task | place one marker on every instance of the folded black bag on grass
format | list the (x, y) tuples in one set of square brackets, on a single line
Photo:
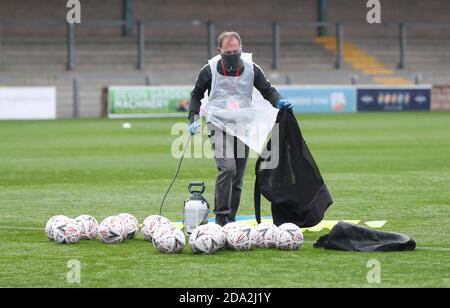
[(294, 186), (351, 237)]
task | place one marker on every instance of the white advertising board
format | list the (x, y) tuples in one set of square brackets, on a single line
[(26, 103)]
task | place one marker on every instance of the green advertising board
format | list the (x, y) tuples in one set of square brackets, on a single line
[(148, 101)]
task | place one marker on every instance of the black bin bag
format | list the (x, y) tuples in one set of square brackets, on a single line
[(294, 185), (351, 237)]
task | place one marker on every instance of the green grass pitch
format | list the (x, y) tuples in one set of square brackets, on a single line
[(378, 166)]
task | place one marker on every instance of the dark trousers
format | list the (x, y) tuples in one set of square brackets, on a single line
[(231, 156)]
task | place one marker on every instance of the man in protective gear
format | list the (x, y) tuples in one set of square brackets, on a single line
[(232, 116)]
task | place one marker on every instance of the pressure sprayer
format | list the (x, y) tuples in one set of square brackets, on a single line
[(196, 208)]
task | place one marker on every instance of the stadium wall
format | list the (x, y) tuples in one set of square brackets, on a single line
[(229, 10), (24, 11), (418, 11)]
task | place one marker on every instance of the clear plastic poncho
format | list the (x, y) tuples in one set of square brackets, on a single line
[(237, 108)]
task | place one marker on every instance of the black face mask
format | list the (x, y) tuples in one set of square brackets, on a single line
[(231, 62)]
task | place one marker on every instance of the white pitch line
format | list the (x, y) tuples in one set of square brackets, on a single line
[(21, 228), (434, 248)]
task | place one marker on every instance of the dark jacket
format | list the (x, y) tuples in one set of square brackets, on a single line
[(294, 186), (203, 84)]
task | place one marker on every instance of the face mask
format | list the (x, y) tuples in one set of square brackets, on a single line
[(231, 62)]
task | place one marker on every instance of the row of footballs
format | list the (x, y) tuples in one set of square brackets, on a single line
[(167, 238), (113, 229), (210, 238)]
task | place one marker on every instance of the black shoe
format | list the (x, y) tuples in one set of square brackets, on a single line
[(221, 220), (231, 218)]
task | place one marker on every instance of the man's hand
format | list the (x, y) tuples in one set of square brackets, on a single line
[(284, 103), (194, 127)]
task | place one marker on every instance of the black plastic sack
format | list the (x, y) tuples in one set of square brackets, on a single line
[(294, 187), (351, 237)]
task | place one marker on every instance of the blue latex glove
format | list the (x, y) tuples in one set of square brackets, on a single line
[(284, 103), (194, 127)]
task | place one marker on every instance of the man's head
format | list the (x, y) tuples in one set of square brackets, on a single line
[(229, 46)]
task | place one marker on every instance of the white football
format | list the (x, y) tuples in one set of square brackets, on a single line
[(131, 224), (169, 239), (151, 224), (240, 238), (59, 221), (289, 237), (112, 230), (88, 227), (230, 226), (49, 226), (218, 234), (266, 235), (206, 239), (66, 231)]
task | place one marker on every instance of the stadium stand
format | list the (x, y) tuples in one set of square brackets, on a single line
[(33, 44)]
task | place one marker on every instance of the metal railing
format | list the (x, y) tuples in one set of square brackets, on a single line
[(211, 30), (211, 34)]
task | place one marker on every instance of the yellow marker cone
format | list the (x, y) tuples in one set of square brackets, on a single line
[(376, 224)]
